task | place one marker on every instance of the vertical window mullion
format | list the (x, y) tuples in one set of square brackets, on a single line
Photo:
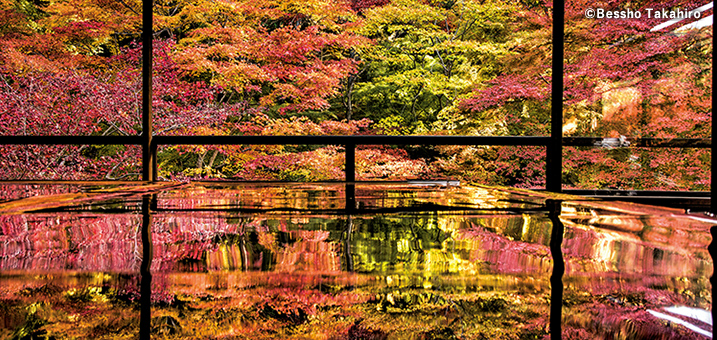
[(554, 157), (149, 153)]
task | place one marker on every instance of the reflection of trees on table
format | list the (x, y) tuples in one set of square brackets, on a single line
[(223, 273)]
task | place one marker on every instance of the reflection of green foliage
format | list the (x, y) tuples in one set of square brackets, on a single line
[(404, 302), (89, 294), (407, 293), (55, 312), (31, 329), (527, 229), (384, 243), (363, 311), (433, 315)]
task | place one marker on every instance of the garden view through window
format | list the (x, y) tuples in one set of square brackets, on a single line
[(355, 169), (468, 68)]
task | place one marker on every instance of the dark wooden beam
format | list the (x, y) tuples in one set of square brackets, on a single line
[(149, 154), (554, 155)]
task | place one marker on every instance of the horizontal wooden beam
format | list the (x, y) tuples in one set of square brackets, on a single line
[(356, 140), (361, 140)]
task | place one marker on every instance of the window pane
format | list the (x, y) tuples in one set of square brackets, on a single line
[(632, 71), (516, 166), (643, 75), (70, 162), (295, 163), (636, 168)]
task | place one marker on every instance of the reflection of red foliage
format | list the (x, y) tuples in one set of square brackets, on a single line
[(188, 238), (86, 243), (610, 321), (503, 255), (620, 238), (311, 253), (10, 192)]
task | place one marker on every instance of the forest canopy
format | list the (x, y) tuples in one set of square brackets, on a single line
[(334, 67)]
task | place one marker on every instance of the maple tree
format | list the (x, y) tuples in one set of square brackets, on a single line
[(621, 79), (76, 103), (357, 67), (289, 55), (368, 67)]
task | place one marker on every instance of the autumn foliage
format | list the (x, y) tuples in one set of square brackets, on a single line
[(287, 266), (397, 67)]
